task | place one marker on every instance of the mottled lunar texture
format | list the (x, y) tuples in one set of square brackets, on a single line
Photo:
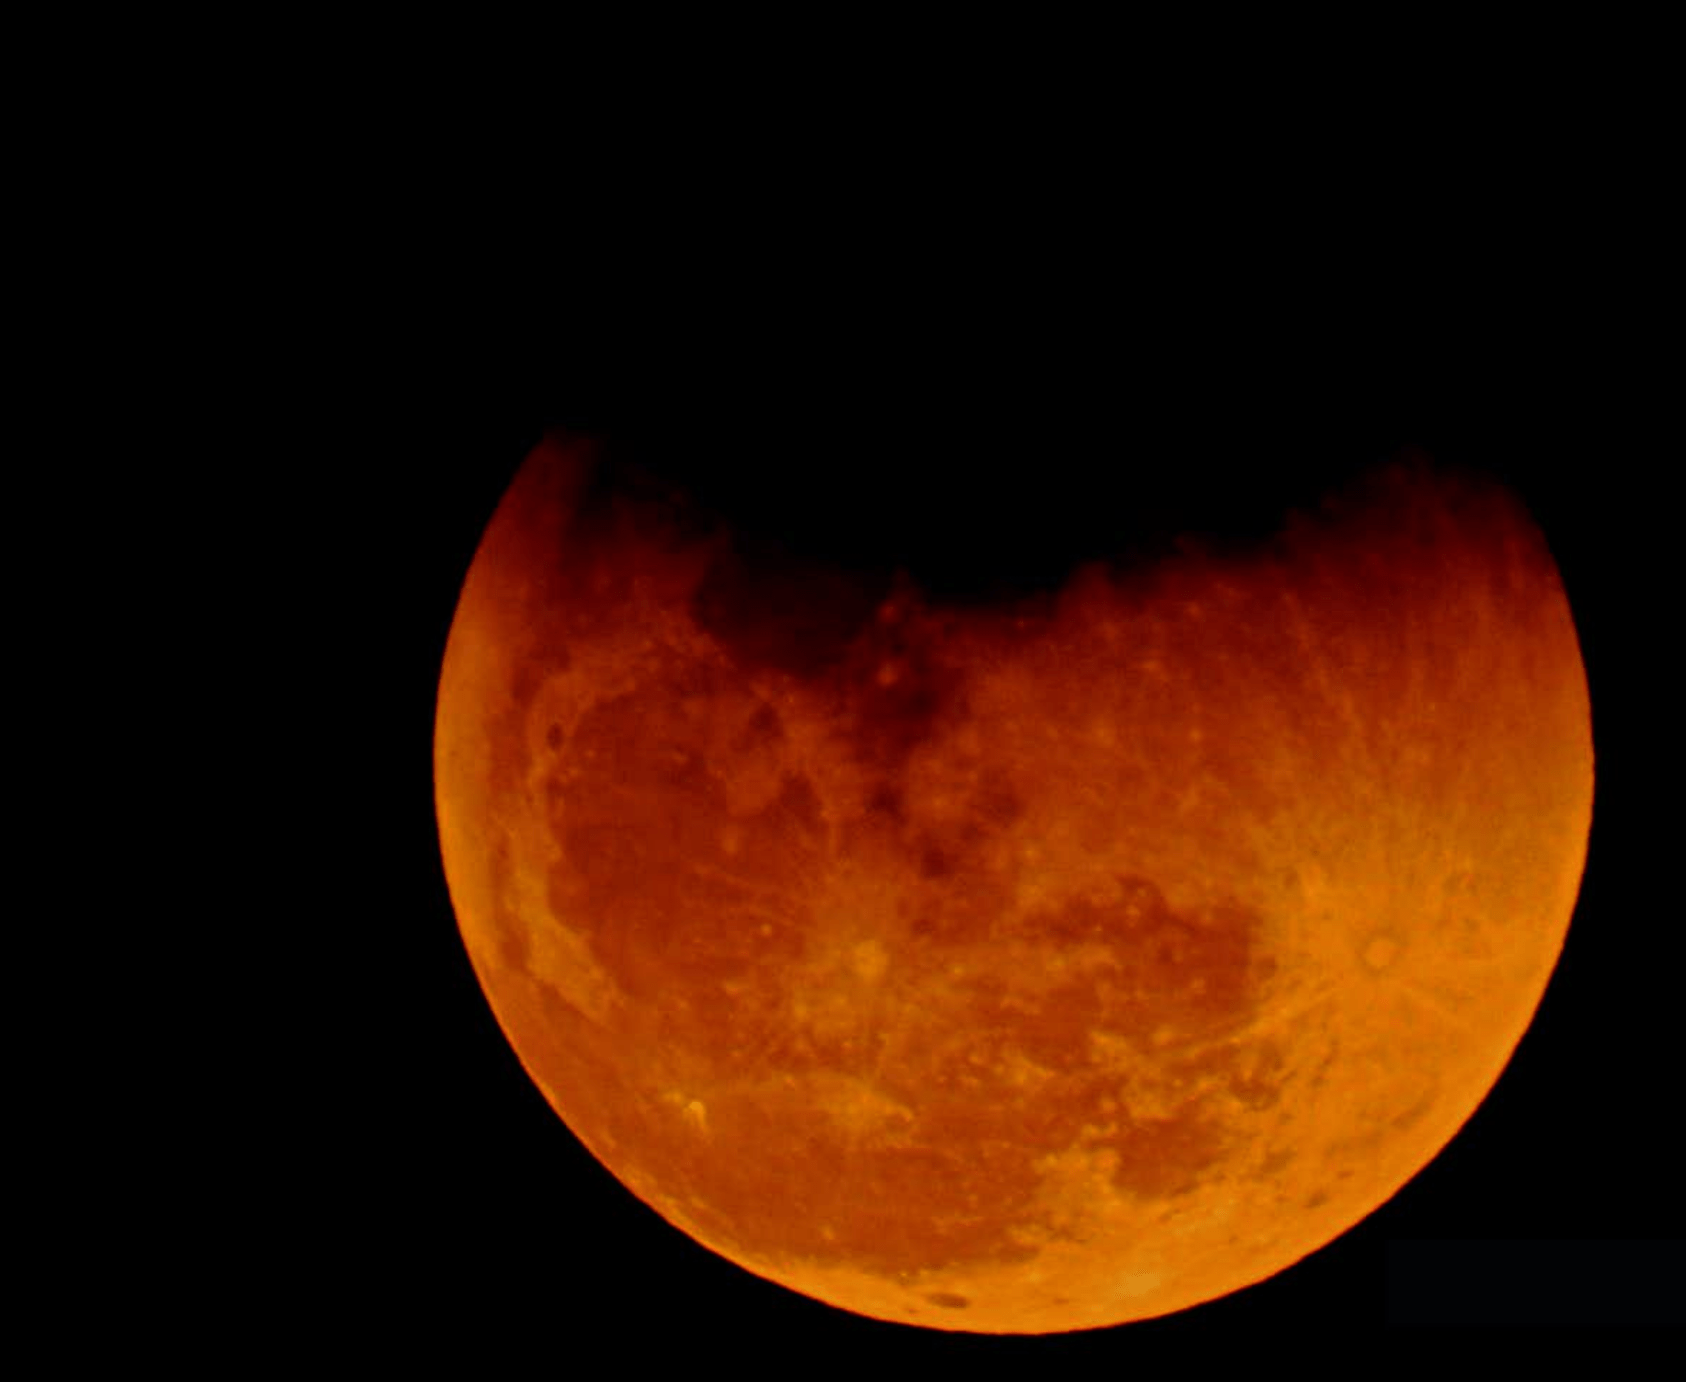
[(1013, 968)]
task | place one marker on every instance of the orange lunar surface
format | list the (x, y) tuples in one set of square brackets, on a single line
[(1020, 966)]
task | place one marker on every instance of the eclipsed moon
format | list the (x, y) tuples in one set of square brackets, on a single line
[(1023, 967)]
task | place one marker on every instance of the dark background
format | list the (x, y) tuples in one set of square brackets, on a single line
[(988, 445)]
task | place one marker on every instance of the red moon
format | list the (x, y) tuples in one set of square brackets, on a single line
[(1026, 966)]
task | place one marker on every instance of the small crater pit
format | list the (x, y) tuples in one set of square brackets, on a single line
[(947, 1300)]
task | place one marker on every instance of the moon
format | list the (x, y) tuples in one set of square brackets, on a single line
[(1025, 964)]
